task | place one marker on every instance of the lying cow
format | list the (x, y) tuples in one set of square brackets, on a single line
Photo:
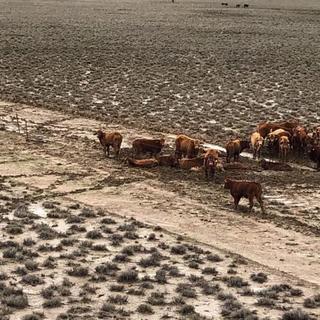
[(187, 164), (235, 147), (186, 147), (314, 155), (167, 160), (244, 189), (275, 166), (152, 146), (257, 144), (210, 162), (143, 163), (107, 140), (235, 166)]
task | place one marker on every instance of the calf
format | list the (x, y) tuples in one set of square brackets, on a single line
[(284, 147), (143, 163), (210, 162), (107, 140), (187, 164), (257, 144), (235, 147), (152, 146), (314, 155), (246, 189), (186, 147), (274, 138), (275, 166)]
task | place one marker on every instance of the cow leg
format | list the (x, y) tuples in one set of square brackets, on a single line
[(251, 203), (104, 150), (108, 151), (228, 157), (236, 202), (259, 198)]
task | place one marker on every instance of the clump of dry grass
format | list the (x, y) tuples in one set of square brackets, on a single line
[(214, 258), (107, 268), (32, 279), (297, 314), (54, 302), (156, 299), (78, 271), (259, 277), (128, 276), (118, 299), (145, 309)]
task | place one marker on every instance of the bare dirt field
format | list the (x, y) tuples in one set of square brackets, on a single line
[(85, 237)]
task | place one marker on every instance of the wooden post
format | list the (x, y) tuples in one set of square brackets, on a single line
[(18, 124), (26, 129)]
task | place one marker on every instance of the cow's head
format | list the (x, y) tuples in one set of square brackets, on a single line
[(227, 183)]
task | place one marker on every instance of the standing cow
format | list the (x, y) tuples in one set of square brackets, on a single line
[(235, 147), (245, 189), (107, 140), (186, 147), (210, 162)]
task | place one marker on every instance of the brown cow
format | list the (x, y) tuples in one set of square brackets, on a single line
[(275, 166), (167, 160), (210, 162), (299, 139), (152, 146), (314, 155), (246, 189), (257, 144), (143, 163), (284, 147), (187, 164), (235, 147), (264, 128), (107, 140), (274, 138), (186, 147)]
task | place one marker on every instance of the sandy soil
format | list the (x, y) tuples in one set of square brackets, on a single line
[(66, 169)]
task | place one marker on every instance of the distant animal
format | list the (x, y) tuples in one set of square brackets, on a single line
[(245, 189), (275, 166), (152, 146), (186, 147), (107, 140), (284, 147), (314, 155), (187, 164), (210, 162), (238, 5), (143, 163), (224, 4), (299, 139), (264, 128), (235, 147), (167, 160), (257, 144), (246, 5), (235, 166)]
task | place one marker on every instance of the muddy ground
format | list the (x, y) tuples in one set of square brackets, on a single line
[(58, 194), (190, 67), (73, 221)]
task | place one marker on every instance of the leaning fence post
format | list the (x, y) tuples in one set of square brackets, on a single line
[(26, 130), (18, 124)]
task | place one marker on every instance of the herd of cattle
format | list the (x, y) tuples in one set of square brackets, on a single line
[(280, 138)]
